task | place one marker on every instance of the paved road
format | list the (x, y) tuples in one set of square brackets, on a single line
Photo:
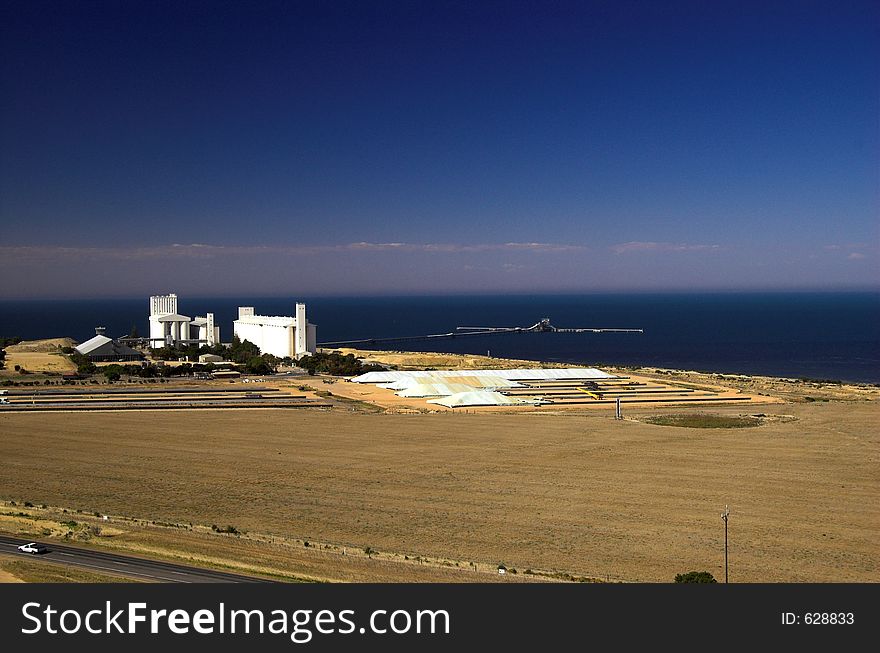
[(129, 566)]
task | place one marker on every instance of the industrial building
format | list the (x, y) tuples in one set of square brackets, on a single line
[(280, 336), (169, 328), (102, 349)]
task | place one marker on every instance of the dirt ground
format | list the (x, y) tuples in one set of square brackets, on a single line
[(577, 493)]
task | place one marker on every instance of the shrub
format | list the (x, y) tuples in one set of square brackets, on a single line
[(258, 365), (704, 421), (695, 577), (336, 364)]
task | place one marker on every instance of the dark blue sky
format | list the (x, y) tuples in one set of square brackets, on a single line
[(220, 147)]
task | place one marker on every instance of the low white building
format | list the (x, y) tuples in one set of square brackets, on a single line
[(278, 335), (169, 328)]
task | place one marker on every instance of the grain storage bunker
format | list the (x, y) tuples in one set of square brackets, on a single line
[(278, 335)]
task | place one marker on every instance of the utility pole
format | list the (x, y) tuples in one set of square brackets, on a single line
[(724, 516)]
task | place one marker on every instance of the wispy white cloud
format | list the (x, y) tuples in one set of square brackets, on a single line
[(852, 251), (23, 254), (378, 247), (643, 246)]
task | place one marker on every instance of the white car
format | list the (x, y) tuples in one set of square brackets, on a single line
[(33, 548)]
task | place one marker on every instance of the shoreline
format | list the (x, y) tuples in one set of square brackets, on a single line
[(443, 360), (45, 362), (529, 363)]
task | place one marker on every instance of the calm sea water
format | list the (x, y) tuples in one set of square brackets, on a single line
[(817, 335)]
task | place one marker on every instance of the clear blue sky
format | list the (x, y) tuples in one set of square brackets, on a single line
[(334, 147)]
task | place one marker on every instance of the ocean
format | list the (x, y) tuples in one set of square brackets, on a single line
[(812, 335)]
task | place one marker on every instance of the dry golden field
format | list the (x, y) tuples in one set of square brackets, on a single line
[(38, 356), (579, 493)]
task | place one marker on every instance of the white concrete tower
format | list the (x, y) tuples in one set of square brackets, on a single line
[(163, 304), (210, 333), (301, 348), (166, 326)]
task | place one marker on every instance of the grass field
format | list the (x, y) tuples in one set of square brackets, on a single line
[(579, 493)]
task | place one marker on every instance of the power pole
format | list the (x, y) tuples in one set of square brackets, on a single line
[(724, 516)]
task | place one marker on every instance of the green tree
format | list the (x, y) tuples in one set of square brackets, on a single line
[(257, 365), (83, 364), (241, 351), (695, 577), (112, 372), (336, 364)]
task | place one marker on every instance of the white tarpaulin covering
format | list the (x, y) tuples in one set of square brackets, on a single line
[(434, 390), (472, 381), (510, 375), (480, 381), (400, 384), (480, 398)]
